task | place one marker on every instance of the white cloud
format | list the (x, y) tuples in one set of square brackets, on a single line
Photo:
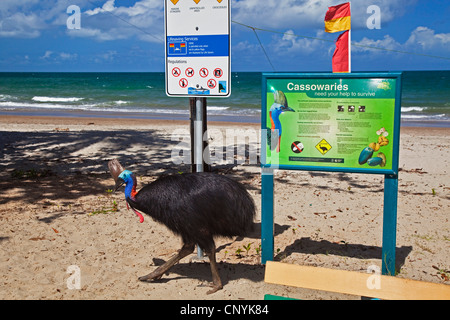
[(12, 5), (108, 6), (28, 18), (309, 13), (143, 20), (291, 43), (389, 11), (59, 56), (98, 34), (421, 40), (68, 56), (427, 39), (386, 43), (20, 25), (278, 14), (108, 56), (47, 54), (245, 46)]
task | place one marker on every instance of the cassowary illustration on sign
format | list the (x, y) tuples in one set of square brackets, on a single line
[(196, 206), (279, 106)]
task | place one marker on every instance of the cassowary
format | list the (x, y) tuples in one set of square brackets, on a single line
[(196, 206), (279, 106)]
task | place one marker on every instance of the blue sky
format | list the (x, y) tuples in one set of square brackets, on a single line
[(127, 35)]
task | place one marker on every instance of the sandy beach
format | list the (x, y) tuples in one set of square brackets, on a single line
[(57, 214)]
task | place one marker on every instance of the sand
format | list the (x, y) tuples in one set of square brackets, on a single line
[(58, 220)]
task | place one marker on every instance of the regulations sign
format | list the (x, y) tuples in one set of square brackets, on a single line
[(331, 122), (197, 48)]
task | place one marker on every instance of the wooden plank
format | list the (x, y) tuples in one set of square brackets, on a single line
[(354, 283)]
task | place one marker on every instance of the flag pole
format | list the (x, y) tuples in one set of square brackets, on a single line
[(350, 42)]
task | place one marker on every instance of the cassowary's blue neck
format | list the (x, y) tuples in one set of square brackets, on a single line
[(130, 188), (275, 115)]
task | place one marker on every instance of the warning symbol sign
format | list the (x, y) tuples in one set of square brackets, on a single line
[(176, 72), (183, 83), (323, 146), (297, 147), (218, 72), (189, 72), (203, 72), (211, 83)]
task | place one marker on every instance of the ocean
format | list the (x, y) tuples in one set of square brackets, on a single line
[(425, 97)]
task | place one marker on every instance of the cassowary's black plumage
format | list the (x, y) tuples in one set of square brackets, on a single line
[(196, 206)]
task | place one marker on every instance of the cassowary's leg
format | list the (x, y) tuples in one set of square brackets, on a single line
[(217, 284), (157, 274)]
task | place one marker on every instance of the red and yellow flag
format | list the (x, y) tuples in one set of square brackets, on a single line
[(340, 59), (338, 18)]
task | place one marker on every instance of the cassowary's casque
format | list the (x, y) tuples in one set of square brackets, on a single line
[(279, 106), (196, 206)]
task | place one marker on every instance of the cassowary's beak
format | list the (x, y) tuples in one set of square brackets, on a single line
[(119, 183), (287, 109)]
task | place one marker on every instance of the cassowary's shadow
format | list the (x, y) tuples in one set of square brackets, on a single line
[(202, 272), (255, 233)]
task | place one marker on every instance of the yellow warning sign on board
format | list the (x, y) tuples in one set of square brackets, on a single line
[(323, 146), (196, 1), (174, 1)]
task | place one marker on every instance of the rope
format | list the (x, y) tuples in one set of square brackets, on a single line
[(268, 59)]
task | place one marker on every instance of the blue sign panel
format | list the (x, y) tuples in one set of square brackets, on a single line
[(198, 46)]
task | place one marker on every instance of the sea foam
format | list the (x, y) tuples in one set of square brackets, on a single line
[(55, 99)]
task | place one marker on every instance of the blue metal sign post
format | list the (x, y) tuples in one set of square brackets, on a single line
[(389, 224), (342, 107)]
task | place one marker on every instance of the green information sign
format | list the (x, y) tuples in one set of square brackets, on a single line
[(331, 122)]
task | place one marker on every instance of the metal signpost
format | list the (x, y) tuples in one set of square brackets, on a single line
[(332, 122), (198, 62)]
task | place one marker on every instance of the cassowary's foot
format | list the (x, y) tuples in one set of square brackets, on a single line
[(215, 288), (151, 276), (157, 274)]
